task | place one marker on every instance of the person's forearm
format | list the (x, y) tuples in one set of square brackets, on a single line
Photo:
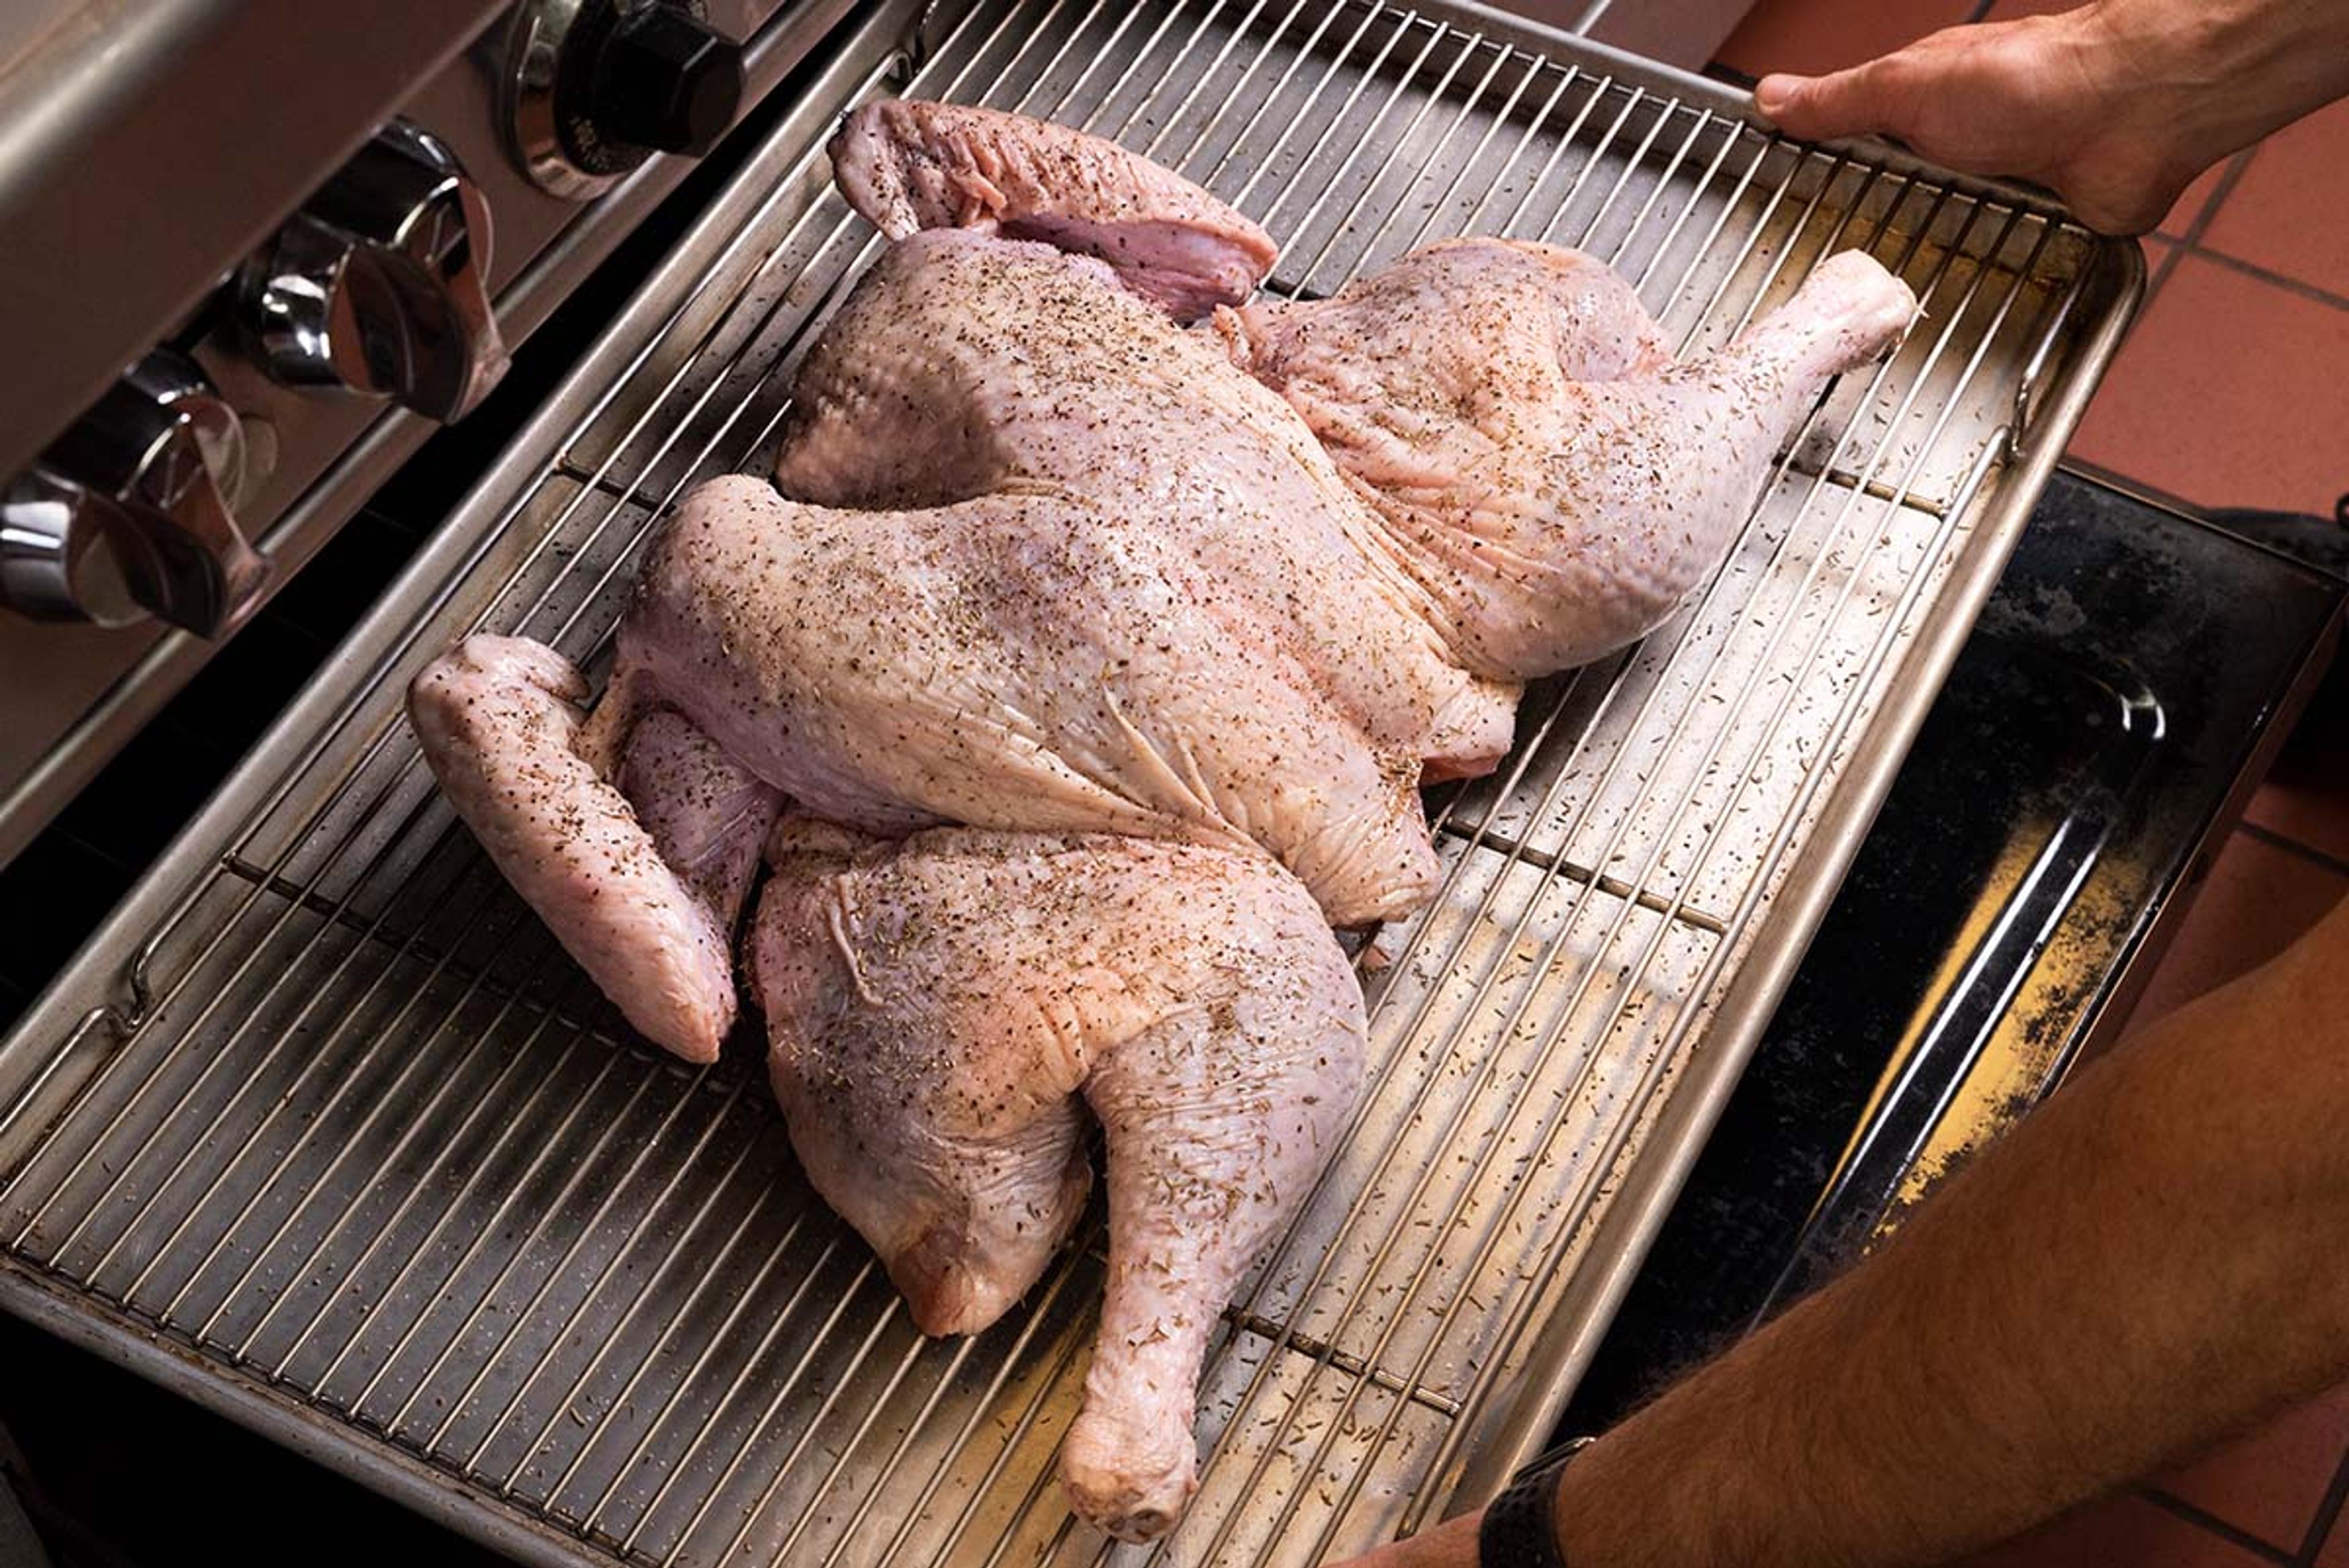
[(2235, 69), (2152, 1258)]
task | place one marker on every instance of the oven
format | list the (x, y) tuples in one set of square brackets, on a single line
[(317, 1129), (2042, 842)]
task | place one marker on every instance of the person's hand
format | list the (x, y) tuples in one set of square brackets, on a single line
[(2087, 103)]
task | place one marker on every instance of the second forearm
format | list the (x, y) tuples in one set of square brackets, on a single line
[(2129, 1272)]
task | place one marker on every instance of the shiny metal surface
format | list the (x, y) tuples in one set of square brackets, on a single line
[(324, 1129), (146, 145), (540, 27), (88, 689), (544, 130), (67, 553), (128, 513), (379, 285)]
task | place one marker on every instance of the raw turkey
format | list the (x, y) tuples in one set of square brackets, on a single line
[(908, 166), (1098, 660), (644, 900), (1545, 472), (938, 1008), (1086, 604)]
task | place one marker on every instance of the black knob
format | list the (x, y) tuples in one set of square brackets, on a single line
[(664, 81)]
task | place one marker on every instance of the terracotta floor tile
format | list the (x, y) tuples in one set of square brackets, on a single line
[(2229, 392), (2124, 1531), (1814, 36), (2290, 210), (2306, 796), (2270, 1483), (2156, 252), (2255, 900)]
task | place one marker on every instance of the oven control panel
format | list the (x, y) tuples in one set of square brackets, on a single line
[(376, 292), (360, 312), (381, 289)]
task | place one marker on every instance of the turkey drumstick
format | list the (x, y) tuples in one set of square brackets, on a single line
[(1536, 460), (937, 1006)]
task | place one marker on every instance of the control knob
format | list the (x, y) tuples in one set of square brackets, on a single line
[(126, 515), (380, 284), (596, 87)]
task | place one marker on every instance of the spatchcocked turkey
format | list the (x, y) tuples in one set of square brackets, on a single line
[(1076, 673)]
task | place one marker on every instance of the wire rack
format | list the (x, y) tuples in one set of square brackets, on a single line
[(324, 1129)]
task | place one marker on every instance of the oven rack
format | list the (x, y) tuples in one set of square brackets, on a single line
[(324, 1129)]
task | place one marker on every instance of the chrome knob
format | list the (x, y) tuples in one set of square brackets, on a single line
[(126, 516), (593, 88), (380, 285)]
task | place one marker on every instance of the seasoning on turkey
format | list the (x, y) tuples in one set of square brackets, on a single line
[(943, 1012), (1171, 623)]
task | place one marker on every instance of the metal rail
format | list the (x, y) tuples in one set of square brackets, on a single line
[(324, 1110)]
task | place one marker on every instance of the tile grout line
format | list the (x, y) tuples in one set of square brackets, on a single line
[(2294, 847), (2328, 1512), (2211, 1524), (2257, 274), (2233, 176), (2192, 240), (2172, 250), (2182, 245), (2178, 247)]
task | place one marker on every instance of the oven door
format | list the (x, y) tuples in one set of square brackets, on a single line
[(2044, 841)]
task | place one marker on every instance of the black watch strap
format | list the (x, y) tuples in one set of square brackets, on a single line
[(1520, 1526)]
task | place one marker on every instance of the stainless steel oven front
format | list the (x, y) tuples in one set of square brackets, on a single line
[(258, 252)]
